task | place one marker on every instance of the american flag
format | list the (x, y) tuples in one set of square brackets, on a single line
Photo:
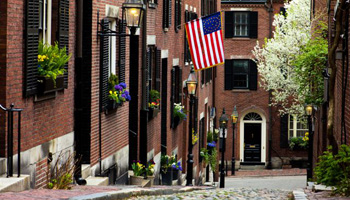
[(204, 38)]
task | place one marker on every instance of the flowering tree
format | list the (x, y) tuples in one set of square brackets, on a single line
[(275, 59)]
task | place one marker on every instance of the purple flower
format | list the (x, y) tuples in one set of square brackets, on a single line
[(212, 144), (126, 92), (128, 97), (118, 88), (124, 96), (123, 85)]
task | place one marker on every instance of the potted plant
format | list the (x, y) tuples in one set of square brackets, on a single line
[(166, 168), (153, 105), (138, 169), (117, 96), (176, 166), (51, 62), (149, 170), (179, 113), (299, 143)]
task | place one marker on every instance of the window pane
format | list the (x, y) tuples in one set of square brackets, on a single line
[(291, 133), (241, 24), (240, 81), (301, 133), (240, 66)]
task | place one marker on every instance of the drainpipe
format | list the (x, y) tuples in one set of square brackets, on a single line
[(144, 108), (269, 165)]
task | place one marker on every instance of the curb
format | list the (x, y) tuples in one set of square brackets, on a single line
[(127, 193)]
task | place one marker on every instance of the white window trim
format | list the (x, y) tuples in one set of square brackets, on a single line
[(112, 49), (295, 126)]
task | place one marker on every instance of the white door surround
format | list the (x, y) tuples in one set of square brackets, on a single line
[(263, 133)]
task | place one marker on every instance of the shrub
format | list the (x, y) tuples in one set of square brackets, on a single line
[(334, 170)]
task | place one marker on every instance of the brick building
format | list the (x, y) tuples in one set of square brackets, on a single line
[(261, 135)]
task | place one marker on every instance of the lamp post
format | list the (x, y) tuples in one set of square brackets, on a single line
[(234, 118), (223, 125), (191, 83), (309, 111)]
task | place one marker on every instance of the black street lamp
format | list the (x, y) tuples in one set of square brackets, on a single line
[(191, 83), (133, 11), (223, 125), (234, 118), (309, 111)]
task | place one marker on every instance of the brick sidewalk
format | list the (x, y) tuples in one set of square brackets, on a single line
[(324, 195), (266, 172)]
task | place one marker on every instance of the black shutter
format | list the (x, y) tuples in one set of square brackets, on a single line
[(165, 13), (186, 52), (169, 12), (179, 13), (63, 32), (179, 92), (253, 27), (158, 63), (149, 65), (32, 42), (202, 77), (122, 52), (195, 125), (172, 97), (284, 132), (176, 14), (253, 75), (283, 11), (229, 24), (104, 65), (228, 74)]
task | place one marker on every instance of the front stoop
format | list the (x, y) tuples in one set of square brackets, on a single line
[(14, 184), (85, 171), (3, 166), (101, 181)]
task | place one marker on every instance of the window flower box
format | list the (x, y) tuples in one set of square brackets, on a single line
[(153, 112), (47, 84)]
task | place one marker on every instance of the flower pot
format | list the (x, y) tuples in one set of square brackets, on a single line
[(167, 178), (176, 121), (137, 180), (175, 174), (152, 112), (151, 179), (47, 85)]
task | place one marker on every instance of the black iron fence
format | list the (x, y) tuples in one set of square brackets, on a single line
[(10, 129)]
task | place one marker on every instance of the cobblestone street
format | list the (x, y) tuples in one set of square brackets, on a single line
[(242, 193)]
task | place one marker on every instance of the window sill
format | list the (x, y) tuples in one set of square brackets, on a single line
[(240, 90), (152, 5), (243, 38)]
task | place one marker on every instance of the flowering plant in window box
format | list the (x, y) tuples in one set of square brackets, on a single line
[(153, 105), (299, 142), (179, 111), (119, 94), (51, 62)]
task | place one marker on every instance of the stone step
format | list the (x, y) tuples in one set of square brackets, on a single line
[(102, 181), (3, 166), (85, 171), (14, 184), (252, 167)]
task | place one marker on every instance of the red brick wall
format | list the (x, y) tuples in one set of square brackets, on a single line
[(3, 49), (45, 120), (114, 126)]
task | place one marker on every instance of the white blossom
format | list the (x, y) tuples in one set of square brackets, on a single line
[(274, 58)]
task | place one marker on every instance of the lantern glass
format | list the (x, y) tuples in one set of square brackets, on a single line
[(191, 83), (133, 11), (223, 120), (234, 115), (308, 110)]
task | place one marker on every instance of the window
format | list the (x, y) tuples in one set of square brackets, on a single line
[(241, 24), (188, 17), (208, 7), (112, 49), (166, 14), (153, 63), (297, 126), (178, 5), (176, 91), (240, 74), (46, 20), (152, 3)]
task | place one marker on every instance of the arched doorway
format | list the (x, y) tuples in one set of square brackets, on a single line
[(253, 138)]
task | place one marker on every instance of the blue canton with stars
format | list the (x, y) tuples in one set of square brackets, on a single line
[(211, 23)]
